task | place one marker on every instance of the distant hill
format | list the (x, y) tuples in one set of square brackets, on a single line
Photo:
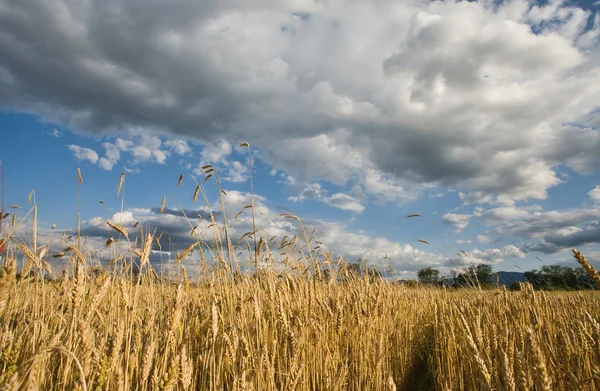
[(507, 278)]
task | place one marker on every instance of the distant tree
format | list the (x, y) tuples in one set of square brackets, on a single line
[(466, 278), (554, 277), (410, 283), (373, 273), (515, 286), (534, 278), (358, 270), (485, 274), (482, 274), (428, 275)]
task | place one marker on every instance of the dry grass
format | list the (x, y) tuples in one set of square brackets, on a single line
[(589, 269), (312, 325), (289, 332)]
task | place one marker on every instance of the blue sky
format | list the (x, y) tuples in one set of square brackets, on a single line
[(484, 118)]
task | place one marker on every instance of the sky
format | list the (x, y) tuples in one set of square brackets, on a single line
[(482, 117)]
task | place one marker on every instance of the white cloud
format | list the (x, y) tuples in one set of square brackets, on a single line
[(358, 193), (141, 153), (484, 239), (160, 156), (122, 144), (131, 170), (56, 133), (180, 147), (82, 153), (345, 202), (143, 148), (386, 187), (476, 197), (509, 213), (112, 155), (324, 156), (464, 241), (380, 252), (312, 191), (106, 164), (436, 195), (338, 200), (216, 151), (148, 150), (547, 231), (595, 194), (492, 255), (113, 151), (478, 211), (458, 221), (236, 172)]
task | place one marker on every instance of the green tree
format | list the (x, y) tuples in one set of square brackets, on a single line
[(551, 277), (485, 274), (515, 286), (481, 274), (360, 269), (534, 278), (428, 275)]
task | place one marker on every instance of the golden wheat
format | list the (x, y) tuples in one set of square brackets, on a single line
[(106, 328), (585, 264)]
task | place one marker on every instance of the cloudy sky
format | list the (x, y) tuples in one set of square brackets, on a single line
[(483, 117)]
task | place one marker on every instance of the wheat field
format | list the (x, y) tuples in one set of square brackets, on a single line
[(306, 323), (288, 331)]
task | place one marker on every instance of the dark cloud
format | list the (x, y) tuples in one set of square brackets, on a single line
[(369, 88), (553, 243), (189, 213)]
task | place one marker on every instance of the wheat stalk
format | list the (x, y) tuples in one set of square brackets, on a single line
[(7, 279), (120, 185), (117, 228), (589, 269)]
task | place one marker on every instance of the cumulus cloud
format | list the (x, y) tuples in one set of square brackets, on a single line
[(484, 239), (113, 153), (476, 197), (236, 172), (82, 153), (311, 191), (149, 150), (492, 255), (180, 147), (56, 133), (565, 238), (595, 194), (335, 236), (386, 187), (546, 231), (345, 202), (329, 156), (501, 214), (216, 151), (339, 200), (436, 195), (106, 164), (141, 148), (472, 95), (458, 221)]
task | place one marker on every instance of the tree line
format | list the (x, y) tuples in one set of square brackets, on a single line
[(552, 277), (480, 275), (559, 277)]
